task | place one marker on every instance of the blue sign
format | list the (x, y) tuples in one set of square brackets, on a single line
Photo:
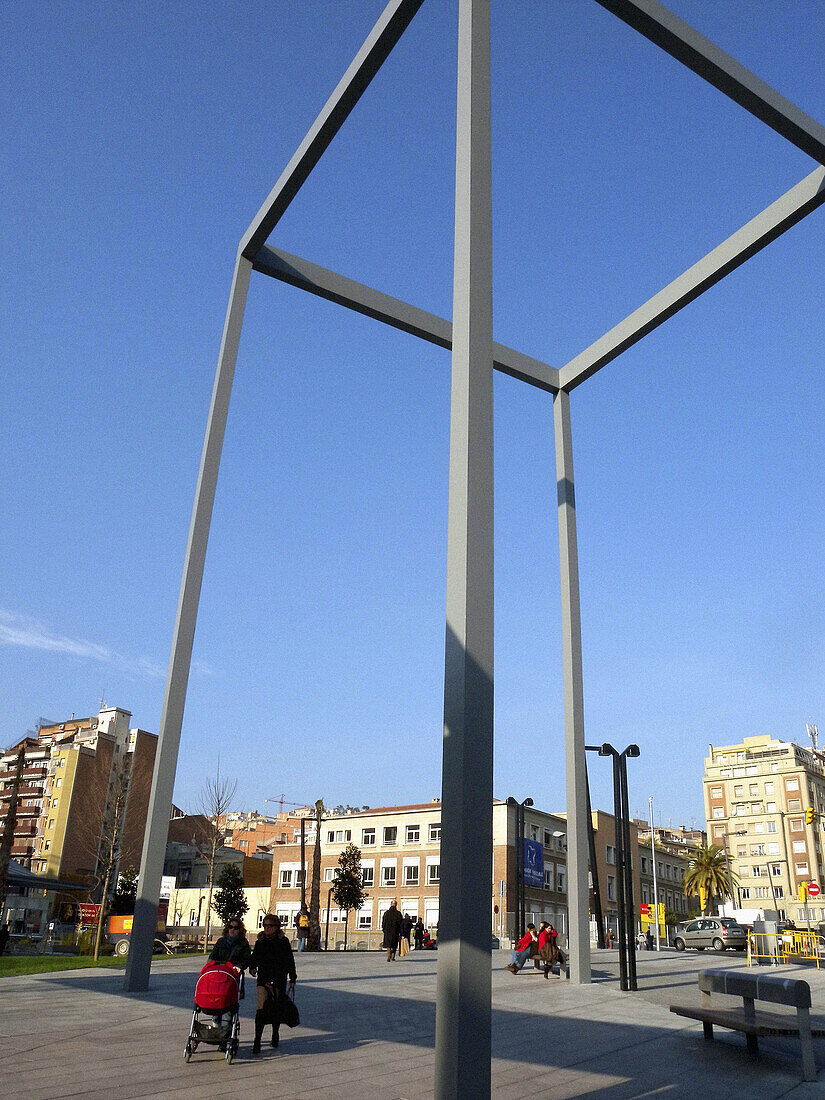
[(533, 863)]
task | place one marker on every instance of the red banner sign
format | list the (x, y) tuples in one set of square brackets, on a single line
[(88, 912)]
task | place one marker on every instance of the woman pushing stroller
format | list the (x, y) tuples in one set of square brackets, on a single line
[(273, 963)]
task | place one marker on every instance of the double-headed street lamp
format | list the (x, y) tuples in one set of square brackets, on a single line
[(624, 891), (521, 916)]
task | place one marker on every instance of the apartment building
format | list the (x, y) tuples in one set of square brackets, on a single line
[(765, 803), (87, 758), (400, 860), (29, 795)]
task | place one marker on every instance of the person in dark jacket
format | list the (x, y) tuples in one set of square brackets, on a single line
[(233, 946), (406, 927), (391, 927), (418, 934), (274, 964)]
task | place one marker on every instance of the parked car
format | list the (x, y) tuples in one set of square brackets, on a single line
[(716, 932)]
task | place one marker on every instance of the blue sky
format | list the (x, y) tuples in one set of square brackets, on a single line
[(139, 141)]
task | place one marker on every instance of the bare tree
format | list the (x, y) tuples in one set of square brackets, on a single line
[(107, 850), (314, 938), (215, 800)]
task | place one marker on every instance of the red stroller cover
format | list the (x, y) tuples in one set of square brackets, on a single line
[(217, 987)]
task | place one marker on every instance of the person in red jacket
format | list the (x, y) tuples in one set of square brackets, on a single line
[(525, 947)]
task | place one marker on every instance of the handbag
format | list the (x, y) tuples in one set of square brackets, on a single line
[(403, 947), (289, 1011)]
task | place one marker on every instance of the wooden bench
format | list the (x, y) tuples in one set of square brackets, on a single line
[(755, 987)]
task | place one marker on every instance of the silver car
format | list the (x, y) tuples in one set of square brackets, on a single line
[(715, 932)]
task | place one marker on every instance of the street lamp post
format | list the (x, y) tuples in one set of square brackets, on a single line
[(624, 884), (521, 902), (653, 861)]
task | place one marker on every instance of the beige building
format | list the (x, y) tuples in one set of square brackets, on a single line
[(765, 803)]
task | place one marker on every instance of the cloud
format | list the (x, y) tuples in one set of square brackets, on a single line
[(28, 633)]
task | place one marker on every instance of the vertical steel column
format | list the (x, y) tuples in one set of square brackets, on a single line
[(177, 677), (620, 872), (463, 995), (577, 886), (630, 913), (594, 867)]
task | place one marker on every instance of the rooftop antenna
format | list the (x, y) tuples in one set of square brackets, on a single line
[(103, 699), (813, 733)]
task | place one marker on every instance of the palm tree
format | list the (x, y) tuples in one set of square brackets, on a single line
[(708, 875)]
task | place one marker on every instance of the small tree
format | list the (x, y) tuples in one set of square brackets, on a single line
[(216, 798), (229, 899), (707, 875), (108, 850), (348, 887)]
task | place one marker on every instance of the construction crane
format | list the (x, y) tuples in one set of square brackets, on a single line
[(282, 802)]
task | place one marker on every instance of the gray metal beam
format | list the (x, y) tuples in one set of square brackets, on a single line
[(392, 311), (177, 678), (775, 220), (392, 23), (463, 1022), (681, 41), (578, 893)]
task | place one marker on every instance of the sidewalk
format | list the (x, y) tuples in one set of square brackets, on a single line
[(368, 1029)]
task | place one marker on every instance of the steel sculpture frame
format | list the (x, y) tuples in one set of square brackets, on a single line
[(463, 1016)]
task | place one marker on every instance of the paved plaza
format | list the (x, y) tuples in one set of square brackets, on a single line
[(368, 1030)]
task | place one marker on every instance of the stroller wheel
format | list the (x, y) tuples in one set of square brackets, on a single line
[(187, 1054), (230, 1054)]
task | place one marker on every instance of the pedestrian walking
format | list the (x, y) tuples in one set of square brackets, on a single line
[(233, 946), (274, 965), (391, 927), (649, 939), (418, 934), (302, 926), (406, 928)]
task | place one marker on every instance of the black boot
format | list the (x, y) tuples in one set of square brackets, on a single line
[(259, 1030), (274, 1040)]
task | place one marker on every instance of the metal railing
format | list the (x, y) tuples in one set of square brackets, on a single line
[(784, 947)]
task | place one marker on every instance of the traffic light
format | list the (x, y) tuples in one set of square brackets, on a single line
[(810, 816), (802, 891)]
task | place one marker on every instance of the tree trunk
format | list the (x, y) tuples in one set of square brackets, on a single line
[(209, 896), (346, 927), (101, 914)]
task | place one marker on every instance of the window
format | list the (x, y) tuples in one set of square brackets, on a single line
[(746, 893), (367, 876), (800, 868), (716, 792), (47, 845), (756, 807), (285, 879), (339, 836), (791, 784), (390, 835), (762, 892), (757, 871), (797, 826), (560, 881), (798, 846), (299, 877), (757, 849), (773, 849), (51, 823), (611, 854), (412, 834), (738, 772), (435, 831), (548, 878), (770, 826), (329, 874), (794, 804), (644, 865), (58, 782), (433, 874), (739, 790), (611, 888), (534, 832), (753, 789), (725, 773), (367, 838), (388, 874), (776, 870), (751, 769), (668, 871), (769, 788), (411, 874), (241, 843), (759, 826), (193, 920), (718, 811), (365, 918), (718, 830)]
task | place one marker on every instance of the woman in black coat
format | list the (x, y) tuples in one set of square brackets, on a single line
[(391, 927), (274, 964), (233, 946)]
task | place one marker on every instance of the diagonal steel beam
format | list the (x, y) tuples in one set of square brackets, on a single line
[(394, 20), (392, 311), (745, 242), (698, 53)]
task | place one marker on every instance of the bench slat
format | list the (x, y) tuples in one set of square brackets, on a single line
[(763, 1023)]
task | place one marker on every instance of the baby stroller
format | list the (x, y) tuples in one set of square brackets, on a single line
[(216, 1019)]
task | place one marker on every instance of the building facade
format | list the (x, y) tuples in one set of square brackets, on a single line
[(765, 805)]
